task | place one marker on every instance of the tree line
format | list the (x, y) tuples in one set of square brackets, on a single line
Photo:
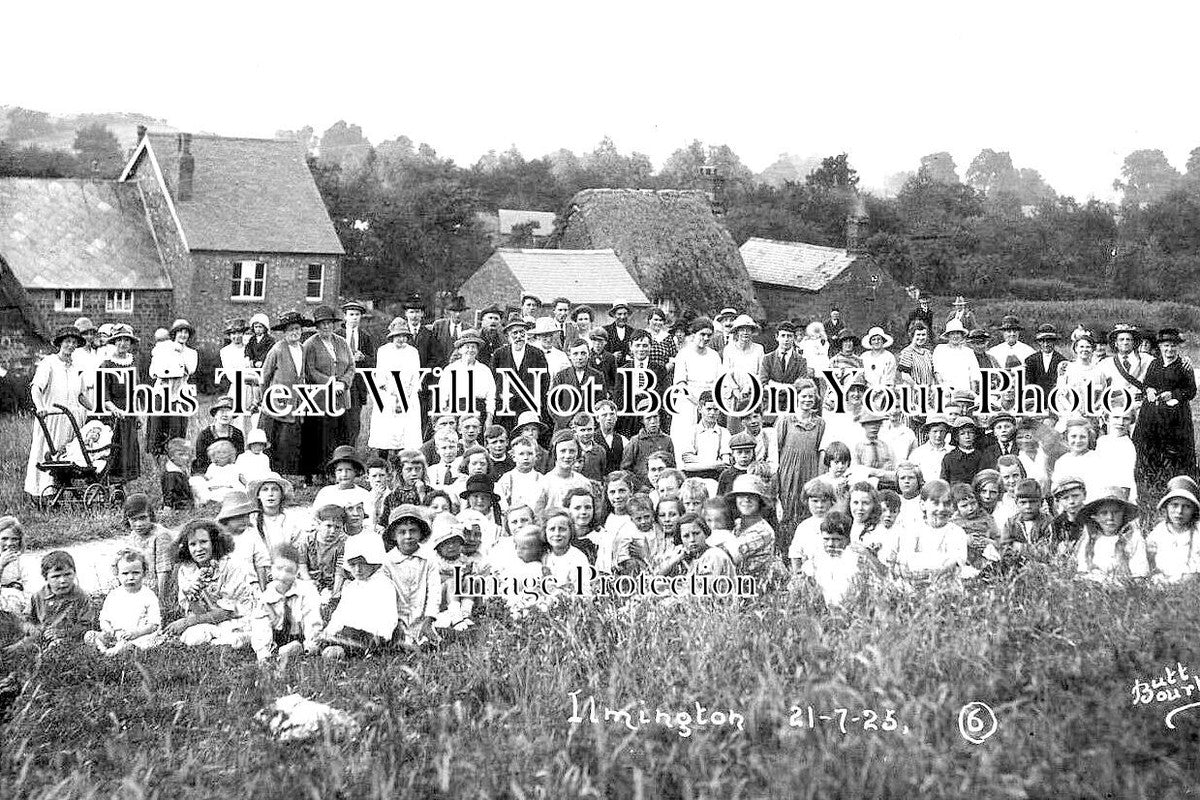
[(410, 219)]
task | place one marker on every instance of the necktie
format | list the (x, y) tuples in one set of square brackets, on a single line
[(354, 340), (288, 620), (873, 453), (449, 477), (785, 362), (1125, 360)]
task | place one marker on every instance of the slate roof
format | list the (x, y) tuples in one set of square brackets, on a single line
[(544, 220), (585, 276), (795, 264), (249, 195), (78, 234)]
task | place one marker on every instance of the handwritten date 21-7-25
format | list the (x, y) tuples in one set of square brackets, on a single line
[(845, 719)]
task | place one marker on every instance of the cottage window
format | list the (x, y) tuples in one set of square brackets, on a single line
[(249, 279), (119, 301), (315, 286), (68, 300)]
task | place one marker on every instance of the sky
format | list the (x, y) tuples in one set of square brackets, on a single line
[(1067, 88)]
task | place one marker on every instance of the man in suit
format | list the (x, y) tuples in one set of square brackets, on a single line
[(835, 324), (566, 329), (528, 365), (632, 384), (580, 375), (1041, 368), (426, 345), (489, 331), (363, 349), (447, 329), (600, 359), (783, 366), (619, 332), (922, 312)]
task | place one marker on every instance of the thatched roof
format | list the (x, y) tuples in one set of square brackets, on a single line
[(669, 241)]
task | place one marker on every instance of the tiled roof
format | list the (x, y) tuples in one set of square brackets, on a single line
[(804, 266), (544, 220), (585, 276), (78, 234), (249, 195)]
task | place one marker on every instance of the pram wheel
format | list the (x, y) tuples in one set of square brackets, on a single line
[(93, 495), (49, 497)]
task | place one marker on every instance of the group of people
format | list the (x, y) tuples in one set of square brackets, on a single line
[(467, 482)]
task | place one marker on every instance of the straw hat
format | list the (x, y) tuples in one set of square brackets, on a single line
[(1179, 494), (612, 312), (283, 483), (324, 314), (1047, 332), (85, 325), (745, 321), (877, 331), (446, 527), (959, 301), (529, 418), (368, 547), (179, 325), (236, 504), (398, 327), (123, 332), (468, 336), (726, 312), (418, 514), (68, 332), (543, 326), (348, 454), (954, 326), (237, 325), (289, 318), (749, 484), (1111, 494)]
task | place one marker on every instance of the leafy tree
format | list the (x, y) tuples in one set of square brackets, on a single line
[(991, 172), (24, 124), (345, 145), (34, 162), (1148, 176), (939, 167), (835, 172), (99, 151), (682, 168), (1031, 188)]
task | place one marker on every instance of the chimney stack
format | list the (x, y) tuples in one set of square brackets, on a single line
[(187, 168), (856, 227), (716, 197), (141, 133)]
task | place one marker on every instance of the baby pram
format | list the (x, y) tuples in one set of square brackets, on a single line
[(79, 466)]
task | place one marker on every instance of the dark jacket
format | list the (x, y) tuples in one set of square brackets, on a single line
[(568, 377), (1036, 375), (534, 359), (619, 347)]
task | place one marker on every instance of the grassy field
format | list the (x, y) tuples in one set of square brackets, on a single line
[(488, 716), (1099, 316)]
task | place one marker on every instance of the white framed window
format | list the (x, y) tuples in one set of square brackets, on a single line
[(249, 280), (68, 300), (314, 286), (118, 301)]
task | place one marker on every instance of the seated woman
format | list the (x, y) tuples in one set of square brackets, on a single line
[(216, 593)]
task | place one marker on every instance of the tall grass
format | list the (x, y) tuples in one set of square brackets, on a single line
[(486, 716)]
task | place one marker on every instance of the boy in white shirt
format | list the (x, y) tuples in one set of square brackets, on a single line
[(522, 484)]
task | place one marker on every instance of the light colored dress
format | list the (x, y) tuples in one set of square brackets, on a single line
[(697, 372), (394, 428), (54, 382), (923, 548), (1174, 556), (223, 584)]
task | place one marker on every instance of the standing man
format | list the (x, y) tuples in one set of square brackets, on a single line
[(922, 312), (489, 330), (566, 330), (619, 332), (835, 324), (447, 329), (721, 332), (421, 337), (631, 383), (579, 375), (529, 367), (1041, 368), (363, 350), (782, 367), (963, 313), (1126, 367), (1011, 353), (530, 304)]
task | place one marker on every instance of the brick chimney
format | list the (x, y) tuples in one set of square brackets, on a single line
[(856, 227), (187, 168), (141, 133)]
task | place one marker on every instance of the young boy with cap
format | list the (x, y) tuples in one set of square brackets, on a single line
[(1031, 526), (962, 464), (346, 467), (1068, 495), (744, 454)]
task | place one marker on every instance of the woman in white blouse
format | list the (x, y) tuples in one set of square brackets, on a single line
[(172, 362), (397, 426), (742, 361), (696, 369), (465, 384), (815, 347), (56, 381)]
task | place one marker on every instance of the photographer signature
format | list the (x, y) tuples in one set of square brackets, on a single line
[(1173, 684)]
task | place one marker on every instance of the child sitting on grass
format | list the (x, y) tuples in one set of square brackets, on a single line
[(131, 616), (1112, 548), (14, 581), (221, 477), (839, 567), (254, 463), (446, 544), (753, 547), (715, 513), (937, 547), (365, 620), (1068, 495), (418, 585), (837, 474), (478, 502), (521, 484), (60, 611), (1173, 548), (979, 525), (176, 478), (1030, 527), (152, 539), (346, 468), (819, 496), (287, 619), (411, 486), (322, 554), (566, 564), (693, 555)]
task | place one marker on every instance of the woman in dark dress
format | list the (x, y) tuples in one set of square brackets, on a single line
[(125, 456), (284, 366), (1164, 437), (327, 358)]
